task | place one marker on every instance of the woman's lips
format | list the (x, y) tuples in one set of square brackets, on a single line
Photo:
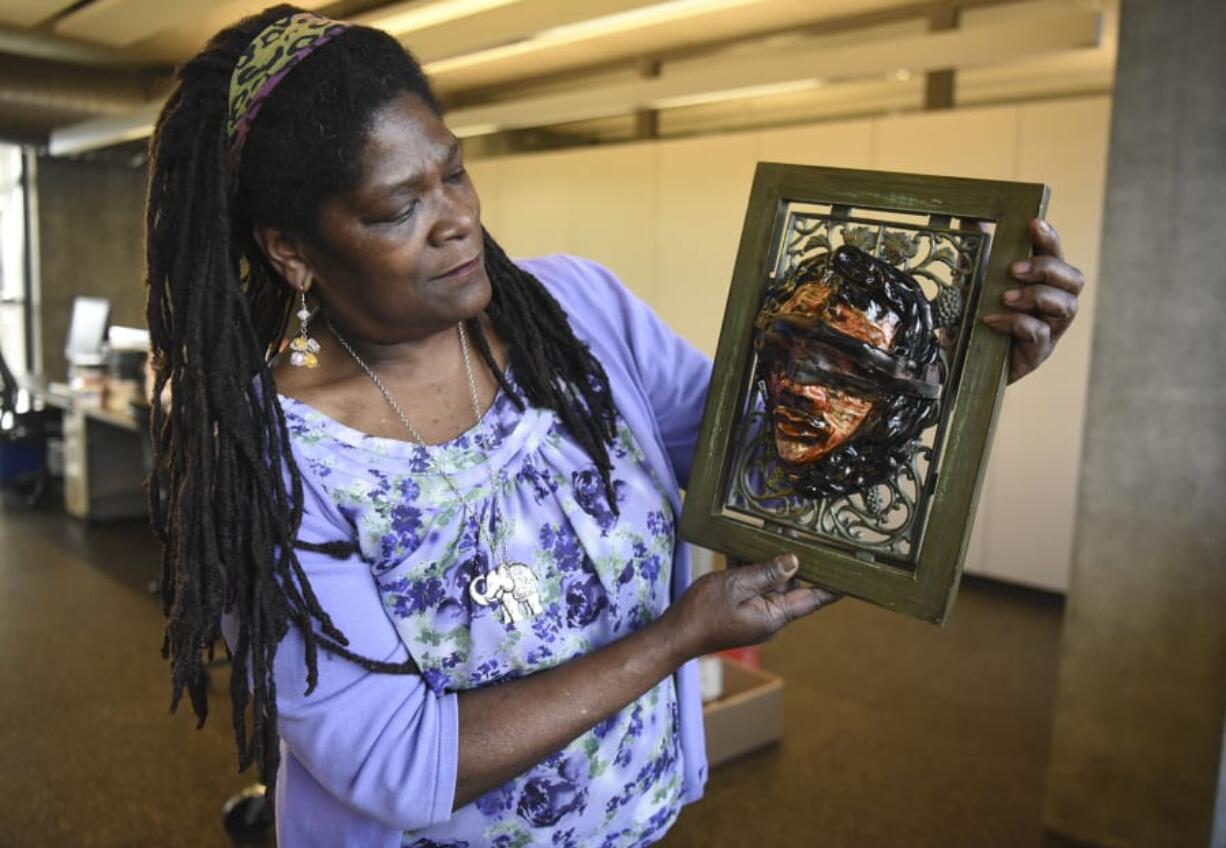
[(460, 271)]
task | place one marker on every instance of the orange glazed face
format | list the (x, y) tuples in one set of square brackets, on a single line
[(812, 419)]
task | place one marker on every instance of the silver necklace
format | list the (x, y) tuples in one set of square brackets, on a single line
[(512, 585)]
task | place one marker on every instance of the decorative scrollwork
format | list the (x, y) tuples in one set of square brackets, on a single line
[(884, 516)]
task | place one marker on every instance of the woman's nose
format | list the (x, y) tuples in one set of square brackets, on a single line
[(458, 218)]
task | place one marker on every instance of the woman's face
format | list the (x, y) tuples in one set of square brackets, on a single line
[(400, 255)]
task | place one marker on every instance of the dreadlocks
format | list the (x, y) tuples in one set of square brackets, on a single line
[(227, 495)]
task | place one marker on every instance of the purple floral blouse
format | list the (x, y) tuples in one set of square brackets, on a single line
[(520, 485)]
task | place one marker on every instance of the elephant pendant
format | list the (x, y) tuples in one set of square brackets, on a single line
[(513, 585)]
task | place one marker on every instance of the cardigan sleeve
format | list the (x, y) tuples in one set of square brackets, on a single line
[(385, 745), (674, 374)]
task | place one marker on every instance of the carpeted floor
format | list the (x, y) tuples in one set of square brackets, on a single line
[(897, 734)]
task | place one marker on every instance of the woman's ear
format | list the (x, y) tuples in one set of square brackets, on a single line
[(284, 251)]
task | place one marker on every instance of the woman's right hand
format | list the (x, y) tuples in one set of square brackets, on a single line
[(741, 606)]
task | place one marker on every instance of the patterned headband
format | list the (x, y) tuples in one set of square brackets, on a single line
[(271, 55)]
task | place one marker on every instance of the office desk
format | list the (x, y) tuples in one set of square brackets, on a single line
[(104, 456)]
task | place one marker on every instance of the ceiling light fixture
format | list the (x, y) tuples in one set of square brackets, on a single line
[(411, 17), (656, 14)]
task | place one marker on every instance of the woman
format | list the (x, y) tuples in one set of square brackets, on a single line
[(464, 472)]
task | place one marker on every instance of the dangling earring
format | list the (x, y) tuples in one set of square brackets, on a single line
[(304, 347)]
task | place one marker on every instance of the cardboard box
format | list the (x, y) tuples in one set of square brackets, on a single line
[(748, 716)]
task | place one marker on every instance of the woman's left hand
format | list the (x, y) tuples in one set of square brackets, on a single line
[(1043, 307)]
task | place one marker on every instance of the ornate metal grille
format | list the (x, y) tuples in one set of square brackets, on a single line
[(885, 521)]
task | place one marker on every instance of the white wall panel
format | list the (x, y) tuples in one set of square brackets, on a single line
[(847, 144), (704, 190), (535, 203), (978, 142), (484, 176), (615, 195)]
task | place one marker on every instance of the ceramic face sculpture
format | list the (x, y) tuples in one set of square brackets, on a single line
[(850, 368)]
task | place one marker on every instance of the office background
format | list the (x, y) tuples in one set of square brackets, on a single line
[(1082, 676)]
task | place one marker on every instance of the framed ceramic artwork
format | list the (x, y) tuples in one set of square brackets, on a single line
[(855, 389)]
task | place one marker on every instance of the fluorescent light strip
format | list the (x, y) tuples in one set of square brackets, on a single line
[(660, 13), (419, 16)]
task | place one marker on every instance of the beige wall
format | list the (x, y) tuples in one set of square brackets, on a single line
[(666, 217)]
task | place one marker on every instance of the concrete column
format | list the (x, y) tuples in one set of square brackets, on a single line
[(1137, 746)]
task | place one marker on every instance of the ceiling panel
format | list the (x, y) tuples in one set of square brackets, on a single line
[(28, 13), (504, 25), (567, 74), (796, 68), (181, 40), (170, 31), (118, 23), (558, 53)]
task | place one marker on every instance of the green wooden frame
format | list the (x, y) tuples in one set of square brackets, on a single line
[(927, 590)]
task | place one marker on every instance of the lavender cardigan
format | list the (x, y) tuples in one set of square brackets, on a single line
[(368, 756)]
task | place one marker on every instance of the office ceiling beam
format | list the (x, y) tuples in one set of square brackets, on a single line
[(28, 13), (36, 45), (494, 27), (939, 84), (103, 132)]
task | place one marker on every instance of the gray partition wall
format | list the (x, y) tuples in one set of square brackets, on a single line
[(1138, 741), (91, 242)]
